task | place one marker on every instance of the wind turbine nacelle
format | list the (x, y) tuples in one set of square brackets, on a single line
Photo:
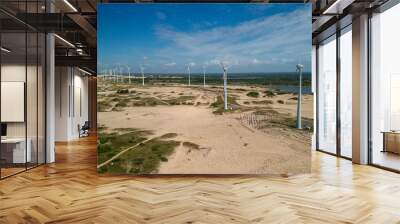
[(299, 66)]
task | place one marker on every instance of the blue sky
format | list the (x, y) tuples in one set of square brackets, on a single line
[(166, 38)]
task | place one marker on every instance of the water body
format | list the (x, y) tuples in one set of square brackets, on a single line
[(292, 88), (284, 81)]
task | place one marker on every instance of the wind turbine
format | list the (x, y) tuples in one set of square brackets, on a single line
[(225, 69), (117, 72), (114, 77), (299, 68), (121, 74), (142, 68), (142, 71), (129, 73)]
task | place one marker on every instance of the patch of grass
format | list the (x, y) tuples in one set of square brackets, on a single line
[(109, 144), (263, 102), (281, 102), (240, 89), (253, 94), (185, 100), (280, 120), (121, 104), (122, 91), (282, 93), (191, 145), (219, 104), (147, 101), (103, 106), (269, 93), (169, 135), (218, 111), (139, 103), (144, 159), (117, 109)]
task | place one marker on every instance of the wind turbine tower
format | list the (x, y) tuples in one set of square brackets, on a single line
[(129, 73), (299, 68), (225, 69), (114, 77), (142, 71), (121, 76)]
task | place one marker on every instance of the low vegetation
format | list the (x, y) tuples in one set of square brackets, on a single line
[(269, 93), (263, 102), (219, 104), (169, 135), (181, 100), (109, 144), (123, 91), (103, 106), (253, 94), (191, 145), (143, 159)]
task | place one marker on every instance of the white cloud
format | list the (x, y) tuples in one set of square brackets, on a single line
[(268, 40)]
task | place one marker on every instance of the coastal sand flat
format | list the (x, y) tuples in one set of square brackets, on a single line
[(226, 145), (208, 95)]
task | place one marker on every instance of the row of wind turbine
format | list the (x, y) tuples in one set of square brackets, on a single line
[(299, 68)]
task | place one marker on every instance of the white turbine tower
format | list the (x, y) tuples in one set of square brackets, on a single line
[(117, 73), (129, 73), (121, 73), (142, 68), (299, 68), (188, 70), (142, 71), (114, 76), (225, 77)]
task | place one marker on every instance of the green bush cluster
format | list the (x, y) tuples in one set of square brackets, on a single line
[(253, 94)]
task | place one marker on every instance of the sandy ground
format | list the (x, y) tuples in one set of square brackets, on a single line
[(208, 95), (227, 146)]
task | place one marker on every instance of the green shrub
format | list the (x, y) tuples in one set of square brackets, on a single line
[(269, 93), (123, 91), (252, 94), (121, 104)]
